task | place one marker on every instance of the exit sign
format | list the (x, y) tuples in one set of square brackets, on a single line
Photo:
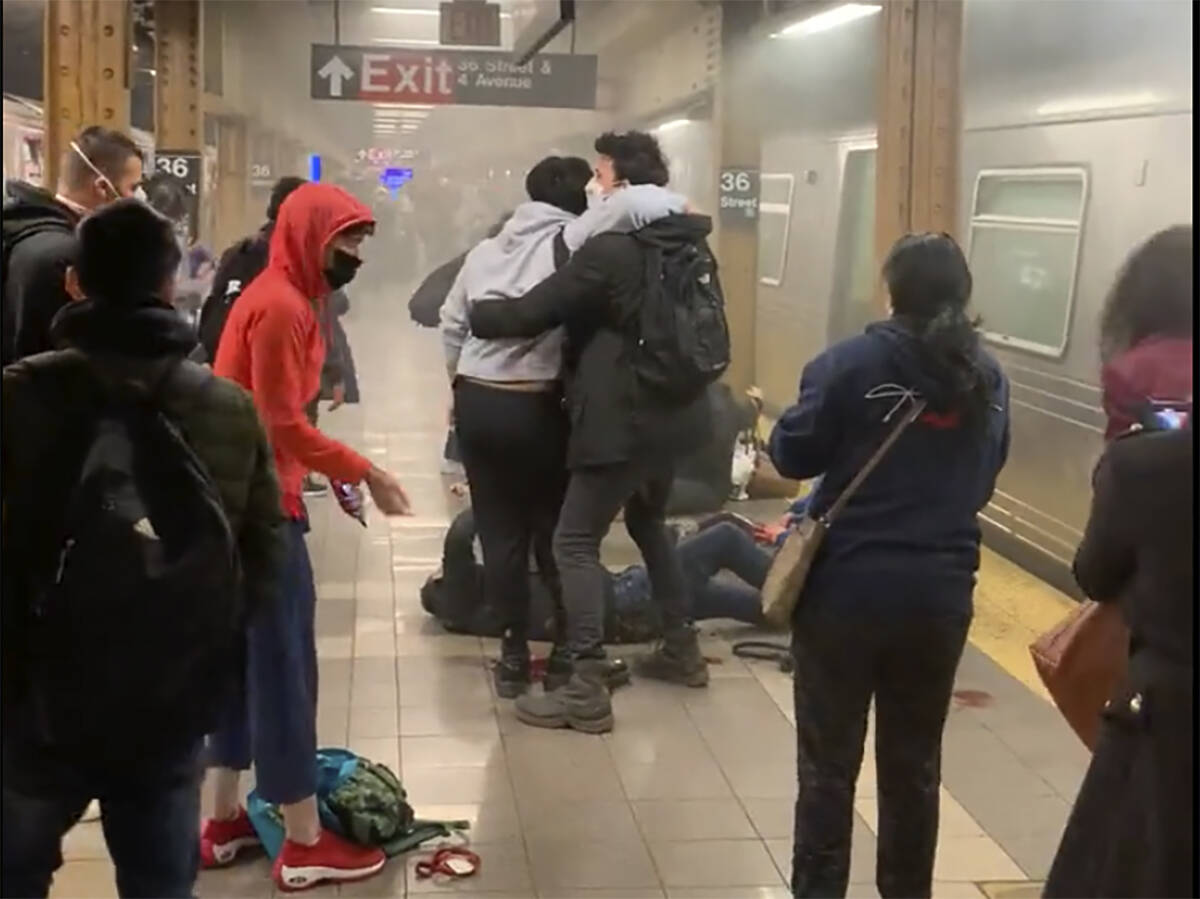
[(470, 23)]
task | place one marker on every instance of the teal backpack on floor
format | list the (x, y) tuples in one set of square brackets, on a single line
[(360, 800)]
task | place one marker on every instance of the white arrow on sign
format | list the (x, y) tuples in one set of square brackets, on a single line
[(337, 72)]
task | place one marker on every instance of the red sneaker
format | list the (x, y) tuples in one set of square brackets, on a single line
[(331, 858), (221, 841)]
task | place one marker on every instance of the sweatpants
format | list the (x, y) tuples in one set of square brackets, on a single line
[(594, 497), (514, 446), (273, 722), (896, 637)]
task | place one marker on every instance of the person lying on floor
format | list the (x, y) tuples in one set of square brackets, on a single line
[(726, 543)]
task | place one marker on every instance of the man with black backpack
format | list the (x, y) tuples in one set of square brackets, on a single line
[(646, 335), (142, 529), (98, 167)]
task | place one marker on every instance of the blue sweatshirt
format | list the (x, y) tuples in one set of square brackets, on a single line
[(917, 511)]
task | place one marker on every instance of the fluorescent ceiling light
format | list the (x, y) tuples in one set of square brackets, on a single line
[(402, 106), (401, 11), (674, 123), (831, 18), (400, 114), (407, 41), (1069, 105)]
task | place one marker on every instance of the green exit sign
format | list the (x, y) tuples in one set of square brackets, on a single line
[(470, 23)]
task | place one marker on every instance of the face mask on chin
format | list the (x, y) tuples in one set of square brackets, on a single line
[(341, 269), (594, 192)]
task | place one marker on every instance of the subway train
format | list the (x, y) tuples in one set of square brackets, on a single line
[(1076, 146), (24, 141)]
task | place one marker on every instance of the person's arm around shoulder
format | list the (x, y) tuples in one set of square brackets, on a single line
[(627, 209), (1105, 560), (277, 371), (571, 293), (806, 436)]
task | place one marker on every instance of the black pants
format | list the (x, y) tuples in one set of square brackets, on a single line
[(513, 447), (594, 496), (898, 639)]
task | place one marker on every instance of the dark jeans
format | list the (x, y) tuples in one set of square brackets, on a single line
[(274, 722), (724, 547), (150, 812), (514, 447), (897, 638), (594, 497)]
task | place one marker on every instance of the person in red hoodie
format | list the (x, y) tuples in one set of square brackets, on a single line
[(1147, 332), (273, 345)]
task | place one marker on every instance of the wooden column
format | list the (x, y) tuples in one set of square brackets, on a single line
[(233, 179), (178, 106), (86, 72), (740, 146), (916, 187)]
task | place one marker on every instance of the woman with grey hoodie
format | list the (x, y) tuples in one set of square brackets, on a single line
[(508, 408)]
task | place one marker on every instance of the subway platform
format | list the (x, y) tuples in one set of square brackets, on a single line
[(690, 797)]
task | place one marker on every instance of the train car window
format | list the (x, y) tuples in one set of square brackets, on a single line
[(774, 219), (1026, 228), (855, 275)]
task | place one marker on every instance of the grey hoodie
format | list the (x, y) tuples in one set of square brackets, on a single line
[(516, 260)]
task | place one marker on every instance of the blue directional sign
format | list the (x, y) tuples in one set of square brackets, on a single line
[(395, 178)]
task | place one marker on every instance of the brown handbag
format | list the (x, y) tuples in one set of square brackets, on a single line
[(789, 569), (1082, 660)]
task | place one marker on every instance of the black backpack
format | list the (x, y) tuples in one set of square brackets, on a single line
[(239, 265), (136, 631), (13, 235), (682, 336)]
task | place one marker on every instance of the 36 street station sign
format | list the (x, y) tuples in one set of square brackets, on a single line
[(452, 77)]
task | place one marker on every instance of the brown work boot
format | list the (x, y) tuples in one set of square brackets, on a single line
[(582, 704)]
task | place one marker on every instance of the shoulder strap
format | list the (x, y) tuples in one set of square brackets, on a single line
[(562, 254), (864, 472)]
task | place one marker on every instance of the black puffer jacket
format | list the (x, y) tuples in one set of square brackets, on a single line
[(597, 296), (41, 232), (47, 403)]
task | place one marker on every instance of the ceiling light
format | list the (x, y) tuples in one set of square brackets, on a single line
[(401, 11), (831, 18), (674, 123), (1106, 103), (402, 106), (400, 114), (407, 41)]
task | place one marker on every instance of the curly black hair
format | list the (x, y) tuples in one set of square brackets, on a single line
[(637, 157), (1152, 295)]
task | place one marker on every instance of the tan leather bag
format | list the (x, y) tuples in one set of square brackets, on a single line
[(1082, 660), (789, 569)]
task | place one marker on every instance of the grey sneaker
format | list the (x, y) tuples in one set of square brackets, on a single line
[(676, 659), (583, 704), (559, 667)]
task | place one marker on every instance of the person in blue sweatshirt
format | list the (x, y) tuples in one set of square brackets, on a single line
[(886, 607)]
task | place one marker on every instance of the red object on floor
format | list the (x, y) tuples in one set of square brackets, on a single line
[(330, 859), (441, 862), (537, 669), (221, 841)]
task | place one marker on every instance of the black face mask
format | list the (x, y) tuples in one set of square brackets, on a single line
[(342, 270)]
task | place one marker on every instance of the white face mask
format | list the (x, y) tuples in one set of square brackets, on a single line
[(595, 193), (138, 193)]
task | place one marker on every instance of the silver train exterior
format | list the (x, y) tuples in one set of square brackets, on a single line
[(1076, 146)]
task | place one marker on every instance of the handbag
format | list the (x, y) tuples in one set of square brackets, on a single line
[(789, 569), (1082, 660)]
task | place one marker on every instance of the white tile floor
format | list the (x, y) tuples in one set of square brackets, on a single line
[(690, 796)]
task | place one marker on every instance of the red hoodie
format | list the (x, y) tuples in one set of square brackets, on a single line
[(1158, 368), (273, 343)]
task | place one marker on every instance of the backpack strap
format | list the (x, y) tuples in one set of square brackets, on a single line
[(562, 254)]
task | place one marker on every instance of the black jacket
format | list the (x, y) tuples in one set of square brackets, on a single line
[(597, 296), (917, 511), (41, 231), (1132, 831)]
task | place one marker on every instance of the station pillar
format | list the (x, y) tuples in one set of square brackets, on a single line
[(85, 74), (739, 145), (178, 101), (916, 187), (233, 179)]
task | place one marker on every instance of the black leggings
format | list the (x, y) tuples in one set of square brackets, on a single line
[(513, 446)]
